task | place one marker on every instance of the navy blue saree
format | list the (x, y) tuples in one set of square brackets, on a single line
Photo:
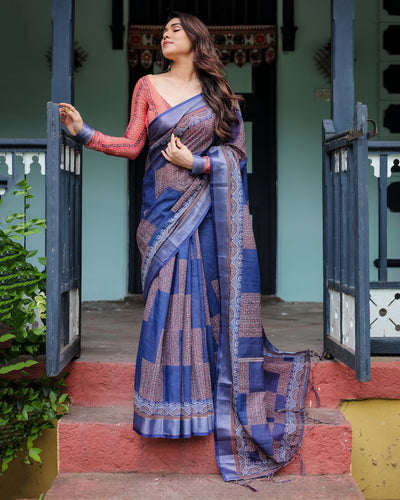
[(204, 364)]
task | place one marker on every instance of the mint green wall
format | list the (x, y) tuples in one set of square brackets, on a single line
[(101, 94), (299, 267), (299, 250)]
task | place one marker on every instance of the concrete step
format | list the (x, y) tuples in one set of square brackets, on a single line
[(131, 486), (100, 384), (101, 439), (110, 384)]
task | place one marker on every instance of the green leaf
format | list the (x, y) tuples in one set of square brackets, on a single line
[(53, 396), (7, 336), (34, 454), (17, 366), (29, 443), (42, 260), (62, 398)]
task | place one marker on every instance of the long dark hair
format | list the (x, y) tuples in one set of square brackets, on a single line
[(217, 92)]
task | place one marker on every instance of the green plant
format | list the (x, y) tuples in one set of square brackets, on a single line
[(27, 405), (21, 283)]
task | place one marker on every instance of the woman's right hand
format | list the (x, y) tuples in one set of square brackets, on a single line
[(71, 118)]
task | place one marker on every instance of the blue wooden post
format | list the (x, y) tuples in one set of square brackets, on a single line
[(62, 73), (342, 26), (383, 184), (363, 348)]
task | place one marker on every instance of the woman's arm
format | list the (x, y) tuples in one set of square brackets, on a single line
[(128, 146)]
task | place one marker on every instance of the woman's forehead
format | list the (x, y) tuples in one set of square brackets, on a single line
[(173, 21)]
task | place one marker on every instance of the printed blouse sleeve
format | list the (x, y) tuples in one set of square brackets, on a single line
[(134, 139)]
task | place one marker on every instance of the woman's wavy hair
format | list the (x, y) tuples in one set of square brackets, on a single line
[(217, 92)]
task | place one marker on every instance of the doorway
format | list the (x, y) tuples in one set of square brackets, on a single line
[(258, 87)]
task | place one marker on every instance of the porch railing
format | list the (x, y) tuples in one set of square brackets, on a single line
[(18, 157), (385, 291)]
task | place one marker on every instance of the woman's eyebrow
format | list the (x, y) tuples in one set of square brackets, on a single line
[(175, 24)]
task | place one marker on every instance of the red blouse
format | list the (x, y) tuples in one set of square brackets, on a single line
[(146, 105)]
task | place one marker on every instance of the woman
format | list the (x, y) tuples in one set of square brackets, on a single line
[(204, 364)]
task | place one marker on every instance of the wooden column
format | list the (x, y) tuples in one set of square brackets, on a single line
[(62, 58), (342, 26)]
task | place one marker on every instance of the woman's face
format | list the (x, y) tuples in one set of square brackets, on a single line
[(175, 41)]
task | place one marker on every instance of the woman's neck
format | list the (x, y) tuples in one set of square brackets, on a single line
[(183, 70)]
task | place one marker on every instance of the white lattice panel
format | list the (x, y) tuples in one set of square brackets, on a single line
[(348, 321), (334, 299), (384, 313)]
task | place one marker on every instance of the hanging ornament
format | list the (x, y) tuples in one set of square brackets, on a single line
[(270, 55), (225, 56), (255, 58), (240, 57), (146, 59), (133, 57)]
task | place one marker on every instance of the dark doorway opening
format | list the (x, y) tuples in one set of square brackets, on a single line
[(259, 109)]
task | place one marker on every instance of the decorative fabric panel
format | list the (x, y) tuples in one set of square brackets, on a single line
[(238, 44)]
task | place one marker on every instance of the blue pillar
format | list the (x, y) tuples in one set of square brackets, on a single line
[(62, 72), (342, 26)]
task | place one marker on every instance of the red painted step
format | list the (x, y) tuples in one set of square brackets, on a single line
[(100, 384), (108, 384), (199, 487), (101, 439)]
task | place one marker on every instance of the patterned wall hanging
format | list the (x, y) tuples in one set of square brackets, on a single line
[(238, 44)]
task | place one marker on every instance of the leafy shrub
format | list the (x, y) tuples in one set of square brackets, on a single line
[(27, 405)]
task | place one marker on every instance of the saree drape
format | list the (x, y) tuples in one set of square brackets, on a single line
[(204, 363)]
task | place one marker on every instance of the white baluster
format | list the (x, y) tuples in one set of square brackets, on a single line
[(72, 160), (375, 162), (42, 162), (337, 161), (391, 159), (62, 162), (78, 163), (7, 161), (67, 158), (343, 153)]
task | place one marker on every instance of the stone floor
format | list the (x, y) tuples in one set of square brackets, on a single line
[(92, 486), (111, 330)]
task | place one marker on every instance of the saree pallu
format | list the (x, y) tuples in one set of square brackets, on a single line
[(204, 363)]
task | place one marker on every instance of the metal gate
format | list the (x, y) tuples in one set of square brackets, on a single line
[(63, 244), (346, 244)]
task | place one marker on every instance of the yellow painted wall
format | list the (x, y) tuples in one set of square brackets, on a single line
[(376, 446), (29, 481)]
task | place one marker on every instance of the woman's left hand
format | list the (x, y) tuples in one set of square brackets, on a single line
[(178, 154)]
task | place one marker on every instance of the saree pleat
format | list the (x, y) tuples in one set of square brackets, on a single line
[(204, 363)]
